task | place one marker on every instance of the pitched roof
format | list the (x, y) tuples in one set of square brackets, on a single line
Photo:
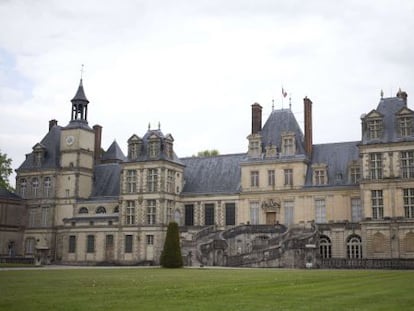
[(106, 180), (279, 121), (337, 157), (6, 194), (51, 143), (114, 153), (212, 175)]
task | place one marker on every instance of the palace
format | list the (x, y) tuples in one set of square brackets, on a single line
[(283, 202)]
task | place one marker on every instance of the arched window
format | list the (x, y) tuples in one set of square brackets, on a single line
[(354, 247), (116, 209), (23, 187), (35, 187), (101, 210), (325, 247), (47, 184), (83, 210)]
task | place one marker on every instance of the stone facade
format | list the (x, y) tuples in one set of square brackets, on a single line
[(284, 202)]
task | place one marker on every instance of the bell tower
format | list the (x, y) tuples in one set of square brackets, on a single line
[(80, 105)]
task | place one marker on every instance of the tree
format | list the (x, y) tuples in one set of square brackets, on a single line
[(208, 153), (5, 171), (171, 254)]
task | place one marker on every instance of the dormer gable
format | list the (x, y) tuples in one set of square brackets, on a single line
[(405, 121), (255, 145), (373, 125), (134, 147), (39, 152), (288, 144)]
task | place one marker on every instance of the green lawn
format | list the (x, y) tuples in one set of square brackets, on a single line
[(206, 289)]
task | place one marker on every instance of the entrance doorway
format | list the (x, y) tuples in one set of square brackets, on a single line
[(270, 218), (109, 247)]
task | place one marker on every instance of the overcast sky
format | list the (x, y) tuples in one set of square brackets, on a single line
[(197, 66)]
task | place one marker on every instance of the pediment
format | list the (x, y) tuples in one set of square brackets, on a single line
[(404, 112), (134, 138), (169, 137), (374, 114), (39, 147)]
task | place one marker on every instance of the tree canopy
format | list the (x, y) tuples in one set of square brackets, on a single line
[(5, 171), (208, 153), (171, 254)]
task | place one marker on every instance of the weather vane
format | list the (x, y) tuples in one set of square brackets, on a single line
[(82, 71)]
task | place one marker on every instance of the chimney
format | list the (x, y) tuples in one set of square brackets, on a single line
[(98, 138), (52, 123), (308, 125), (256, 118)]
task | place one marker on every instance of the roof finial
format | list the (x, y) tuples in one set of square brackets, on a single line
[(149, 126), (290, 101), (82, 72), (159, 125), (382, 93), (273, 104)]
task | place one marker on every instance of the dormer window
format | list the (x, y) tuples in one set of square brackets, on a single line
[(288, 144), (154, 149), (405, 125), (168, 146), (375, 128), (38, 154), (354, 174), (320, 174), (134, 147)]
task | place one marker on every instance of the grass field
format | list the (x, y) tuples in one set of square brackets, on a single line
[(206, 289)]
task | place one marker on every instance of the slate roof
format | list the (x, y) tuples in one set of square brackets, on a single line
[(388, 107), (212, 175), (114, 153), (6, 194), (51, 142), (80, 94), (106, 180), (279, 121), (337, 156)]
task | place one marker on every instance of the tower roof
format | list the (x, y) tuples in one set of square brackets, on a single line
[(80, 94)]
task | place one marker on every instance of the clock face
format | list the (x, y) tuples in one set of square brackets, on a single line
[(70, 140)]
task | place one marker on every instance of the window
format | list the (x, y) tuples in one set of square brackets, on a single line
[(254, 213), (154, 149), (152, 180), (405, 126), (230, 214), (288, 176), (151, 212), (209, 214), (83, 210), (377, 204), (67, 193), (150, 240), (23, 187), (38, 157), (289, 216), (320, 211), (288, 146), (254, 147), (355, 174), (35, 187), (354, 247), (131, 182), (45, 216), (130, 213), (47, 184), (170, 181), (374, 129), (356, 210), (30, 246), (116, 209), (100, 210), (72, 244), (319, 176), (133, 151), (375, 165), (32, 217), (409, 202), (407, 164), (271, 180), (325, 248), (128, 243), (254, 178), (90, 243), (189, 215)]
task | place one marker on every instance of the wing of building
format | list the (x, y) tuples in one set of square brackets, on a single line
[(282, 202)]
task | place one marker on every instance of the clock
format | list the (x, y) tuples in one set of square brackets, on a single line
[(70, 140)]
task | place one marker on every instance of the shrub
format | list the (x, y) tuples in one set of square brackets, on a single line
[(171, 254)]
